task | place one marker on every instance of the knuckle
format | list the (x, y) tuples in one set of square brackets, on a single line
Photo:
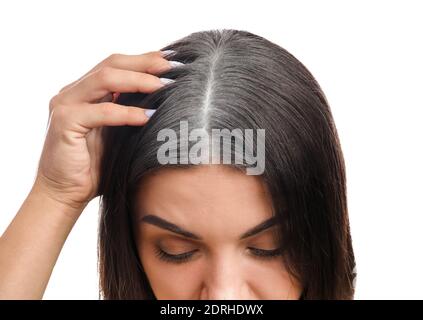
[(104, 74), (54, 102), (60, 112), (59, 115), (113, 58), (106, 110)]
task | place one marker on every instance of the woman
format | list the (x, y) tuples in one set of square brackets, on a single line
[(173, 224)]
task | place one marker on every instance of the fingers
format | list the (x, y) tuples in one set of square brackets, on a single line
[(105, 80), (88, 102), (84, 117), (152, 62)]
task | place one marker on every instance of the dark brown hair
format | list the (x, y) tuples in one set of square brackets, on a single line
[(251, 83)]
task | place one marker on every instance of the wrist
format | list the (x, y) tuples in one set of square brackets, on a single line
[(44, 195)]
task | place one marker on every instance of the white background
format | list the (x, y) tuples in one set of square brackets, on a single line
[(366, 55)]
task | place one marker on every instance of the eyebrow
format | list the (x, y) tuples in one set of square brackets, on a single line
[(164, 224)]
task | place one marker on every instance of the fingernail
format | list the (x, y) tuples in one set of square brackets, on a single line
[(149, 112), (167, 52), (176, 63), (166, 81)]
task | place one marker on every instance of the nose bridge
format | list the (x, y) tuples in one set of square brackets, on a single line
[(225, 279)]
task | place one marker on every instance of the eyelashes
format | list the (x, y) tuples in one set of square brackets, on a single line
[(266, 254), (186, 256), (174, 258)]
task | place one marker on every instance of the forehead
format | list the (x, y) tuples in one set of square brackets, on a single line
[(205, 198)]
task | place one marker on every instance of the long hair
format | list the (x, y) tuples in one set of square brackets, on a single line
[(235, 79)]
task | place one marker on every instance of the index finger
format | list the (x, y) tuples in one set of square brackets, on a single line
[(152, 62)]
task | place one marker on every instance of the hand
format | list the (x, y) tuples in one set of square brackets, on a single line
[(69, 164)]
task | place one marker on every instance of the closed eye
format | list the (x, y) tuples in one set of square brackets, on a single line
[(174, 258), (186, 256), (266, 254)]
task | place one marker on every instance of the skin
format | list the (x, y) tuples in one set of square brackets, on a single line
[(67, 180), (218, 212), (67, 174)]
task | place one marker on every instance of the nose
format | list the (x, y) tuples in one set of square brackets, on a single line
[(225, 280)]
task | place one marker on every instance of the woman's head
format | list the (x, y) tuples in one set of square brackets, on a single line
[(222, 231), (236, 81)]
